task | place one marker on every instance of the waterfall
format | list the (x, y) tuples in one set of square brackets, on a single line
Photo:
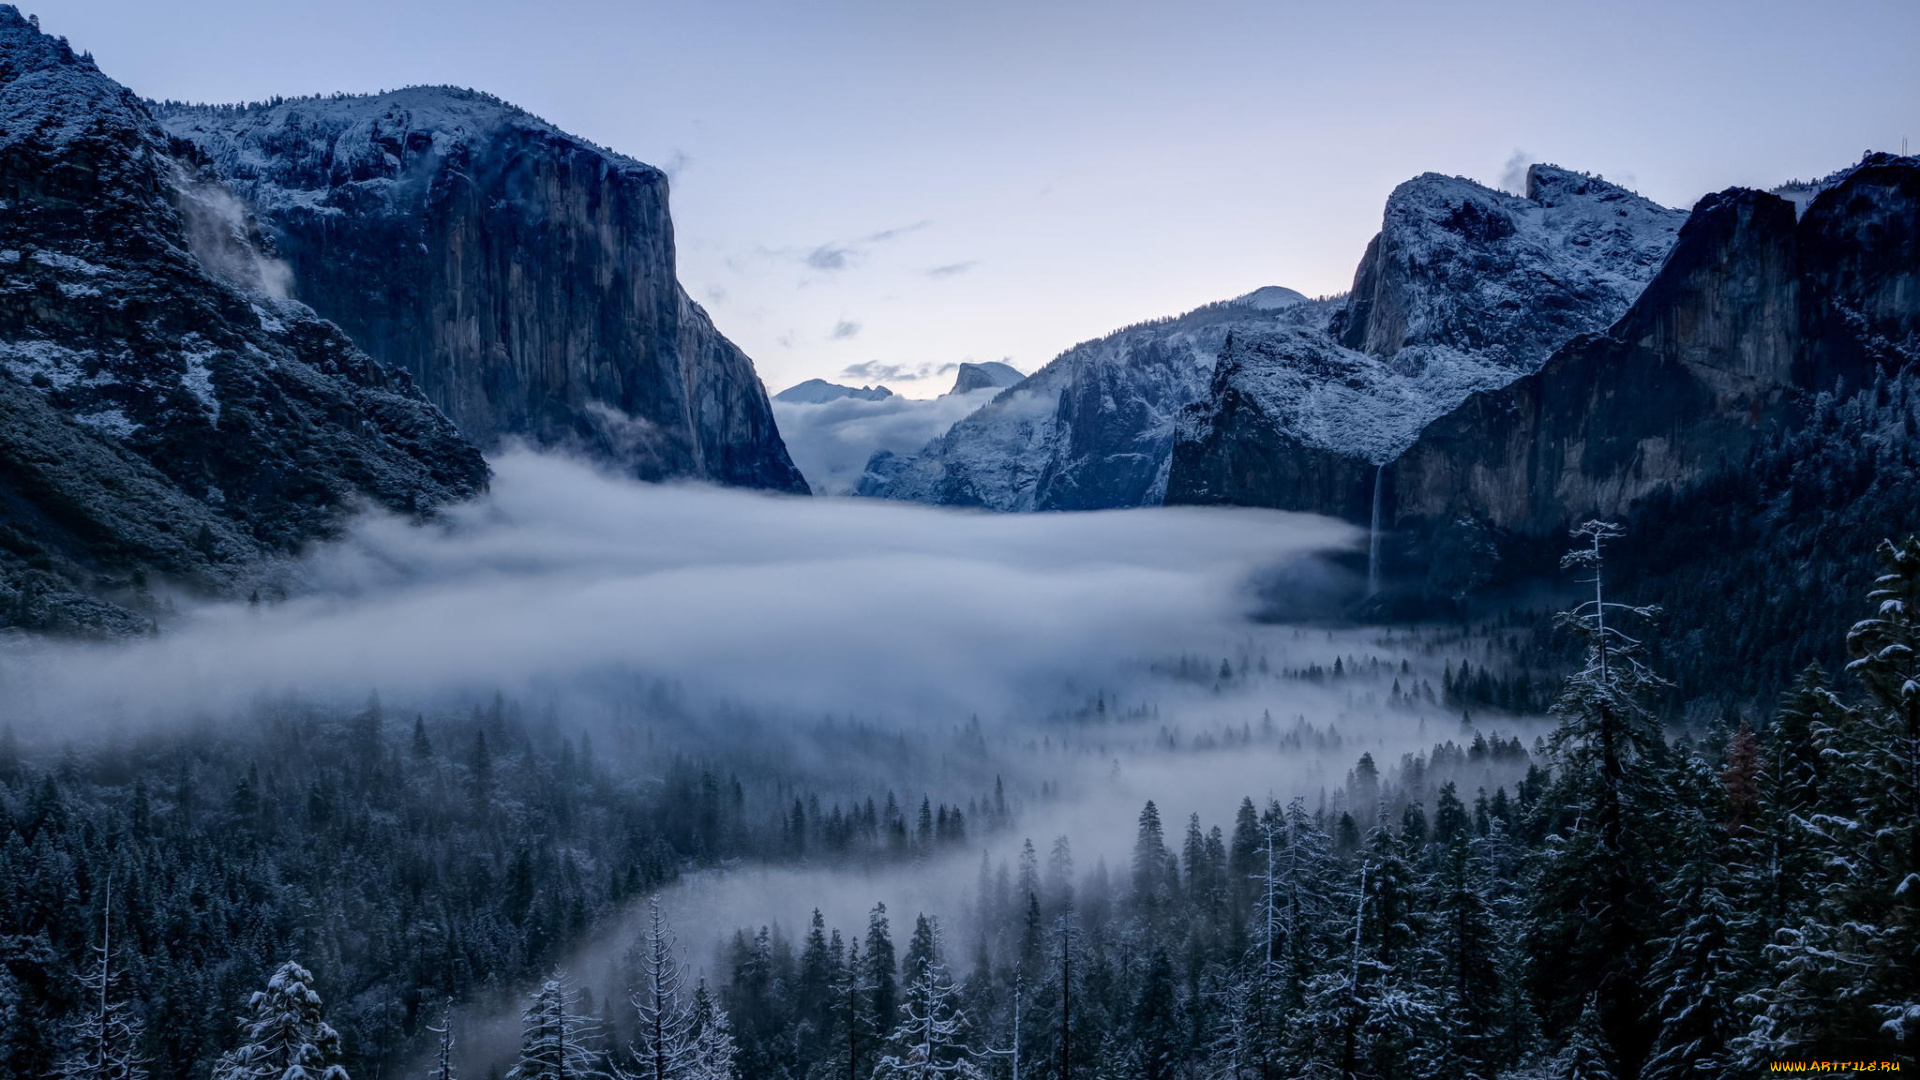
[(1373, 536)]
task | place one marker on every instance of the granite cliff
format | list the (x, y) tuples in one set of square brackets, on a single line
[(167, 420), (524, 277)]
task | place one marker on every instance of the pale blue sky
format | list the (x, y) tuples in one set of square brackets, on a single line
[(916, 183)]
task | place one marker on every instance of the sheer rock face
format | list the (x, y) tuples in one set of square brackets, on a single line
[(1753, 314), (526, 278), (165, 419)]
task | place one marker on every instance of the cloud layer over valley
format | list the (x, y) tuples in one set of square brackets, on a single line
[(791, 606)]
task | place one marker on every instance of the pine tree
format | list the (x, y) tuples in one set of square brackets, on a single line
[(664, 1040), (1592, 899), (1587, 1054), (556, 1043), (1845, 971), (883, 988), (1155, 1031), (285, 1036), (443, 1057), (1692, 982), (931, 1038), (713, 1047), (108, 1037)]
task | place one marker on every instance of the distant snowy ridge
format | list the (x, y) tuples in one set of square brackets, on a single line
[(820, 391), (1093, 429)]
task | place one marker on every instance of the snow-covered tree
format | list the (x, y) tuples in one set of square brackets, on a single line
[(106, 1040), (931, 1038), (285, 1036), (1595, 877), (556, 1043), (1844, 972), (1692, 982), (1587, 1055), (713, 1046), (664, 1042), (443, 1056)]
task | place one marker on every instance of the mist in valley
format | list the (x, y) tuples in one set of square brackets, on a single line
[(1074, 666)]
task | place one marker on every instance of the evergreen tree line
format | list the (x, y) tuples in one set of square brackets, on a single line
[(1639, 908), (403, 861)]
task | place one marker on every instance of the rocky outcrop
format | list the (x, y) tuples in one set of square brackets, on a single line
[(165, 421), (525, 277), (991, 375), (1753, 314), (1461, 268)]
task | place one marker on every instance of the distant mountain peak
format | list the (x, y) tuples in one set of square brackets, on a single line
[(820, 391), (991, 374), (1269, 298)]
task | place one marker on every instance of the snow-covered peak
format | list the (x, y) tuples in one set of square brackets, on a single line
[(991, 375), (52, 94), (820, 391), (1458, 265), (1802, 193), (314, 143), (1269, 298)]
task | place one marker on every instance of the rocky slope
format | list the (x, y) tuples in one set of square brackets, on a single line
[(165, 420), (525, 277), (1754, 315), (1090, 430)]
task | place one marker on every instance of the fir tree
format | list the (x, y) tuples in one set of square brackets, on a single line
[(1593, 900), (108, 1037), (664, 1040), (930, 1040), (285, 1036), (556, 1043)]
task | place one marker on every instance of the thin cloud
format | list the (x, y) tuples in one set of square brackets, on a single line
[(830, 257), (844, 329), (877, 369), (874, 369), (951, 269), (841, 254), (1513, 178)]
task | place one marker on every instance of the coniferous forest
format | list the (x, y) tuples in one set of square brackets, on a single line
[(1610, 898)]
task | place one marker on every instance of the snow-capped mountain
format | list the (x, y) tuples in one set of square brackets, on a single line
[(820, 391), (166, 419), (1767, 304), (1465, 288), (1090, 430), (991, 375), (524, 276)]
